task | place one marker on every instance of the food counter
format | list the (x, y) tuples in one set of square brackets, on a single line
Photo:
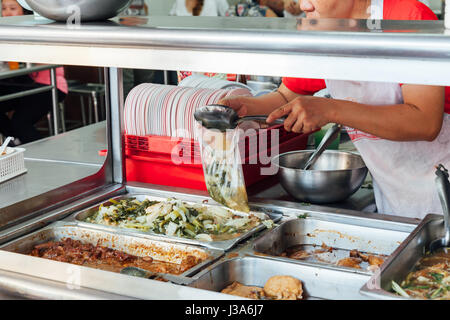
[(242, 47)]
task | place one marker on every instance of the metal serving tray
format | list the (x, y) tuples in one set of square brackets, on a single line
[(403, 260), (318, 283), (311, 233), (138, 246), (219, 245)]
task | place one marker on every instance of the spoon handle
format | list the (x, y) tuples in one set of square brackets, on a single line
[(260, 119), (5, 145), (443, 186), (329, 137)]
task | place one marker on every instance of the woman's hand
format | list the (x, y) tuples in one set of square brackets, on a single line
[(305, 114), (237, 103)]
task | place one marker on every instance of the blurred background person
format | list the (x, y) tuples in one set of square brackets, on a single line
[(13, 8), (257, 8), (209, 8)]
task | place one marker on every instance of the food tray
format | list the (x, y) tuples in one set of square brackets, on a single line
[(318, 283), (219, 245), (403, 260), (138, 246), (12, 164), (338, 235)]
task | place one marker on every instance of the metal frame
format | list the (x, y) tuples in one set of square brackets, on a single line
[(52, 87), (361, 50)]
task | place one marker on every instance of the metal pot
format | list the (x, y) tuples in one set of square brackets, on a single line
[(258, 86), (90, 10), (334, 177)]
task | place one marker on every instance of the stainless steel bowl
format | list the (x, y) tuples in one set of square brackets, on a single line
[(258, 86), (334, 177), (90, 10)]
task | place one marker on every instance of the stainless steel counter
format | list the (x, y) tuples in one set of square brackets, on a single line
[(397, 51), (42, 178), (79, 146), (54, 164)]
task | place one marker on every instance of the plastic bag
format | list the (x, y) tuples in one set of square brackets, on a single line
[(222, 167)]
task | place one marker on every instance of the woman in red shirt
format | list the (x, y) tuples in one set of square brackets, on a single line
[(401, 131)]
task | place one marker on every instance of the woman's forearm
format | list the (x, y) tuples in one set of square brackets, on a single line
[(267, 103)]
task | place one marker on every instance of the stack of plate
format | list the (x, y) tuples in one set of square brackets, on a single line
[(201, 81), (153, 109)]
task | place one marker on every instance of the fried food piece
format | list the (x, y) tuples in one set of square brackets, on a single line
[(357, 254), (240, 290), (375, 261), (299, 255), (326, 248), (283, 288), (350, 262)]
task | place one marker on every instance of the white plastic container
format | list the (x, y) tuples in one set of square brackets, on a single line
[(12, 164)]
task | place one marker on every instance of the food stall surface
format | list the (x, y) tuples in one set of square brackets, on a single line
[(169, 43), (78, 146)]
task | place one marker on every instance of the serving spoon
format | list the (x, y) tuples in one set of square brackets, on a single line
[(328, 138), (443, 186), (5, 145), (138, 272), (222, 117)]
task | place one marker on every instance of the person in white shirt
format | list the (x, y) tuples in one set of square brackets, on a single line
[(209, 8)]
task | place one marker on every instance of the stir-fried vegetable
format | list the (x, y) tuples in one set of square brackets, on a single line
[(429, 280), (175, 218)]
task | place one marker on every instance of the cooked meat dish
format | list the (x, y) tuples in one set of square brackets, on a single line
[(350, 262), (99, 257), (276, 288), (430, 278), (283, 288), (238, 289), (375, 260), (299, 255)]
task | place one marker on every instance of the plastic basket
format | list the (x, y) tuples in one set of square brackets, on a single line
[(148, 159), (12, 164)]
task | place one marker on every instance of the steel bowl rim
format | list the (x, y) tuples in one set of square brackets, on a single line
[(326, 151)]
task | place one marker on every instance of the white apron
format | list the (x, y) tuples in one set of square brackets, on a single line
[(403, 172)]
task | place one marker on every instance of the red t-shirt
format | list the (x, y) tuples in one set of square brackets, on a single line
[(392, 10)]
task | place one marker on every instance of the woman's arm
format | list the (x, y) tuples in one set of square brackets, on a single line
[(418, 118), (263, 105)]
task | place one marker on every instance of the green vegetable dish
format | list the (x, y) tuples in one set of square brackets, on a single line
[(429, 280), (174, 217)]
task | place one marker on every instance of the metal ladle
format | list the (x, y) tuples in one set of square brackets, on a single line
[(327, 139), (223, 118), (443, 187)]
